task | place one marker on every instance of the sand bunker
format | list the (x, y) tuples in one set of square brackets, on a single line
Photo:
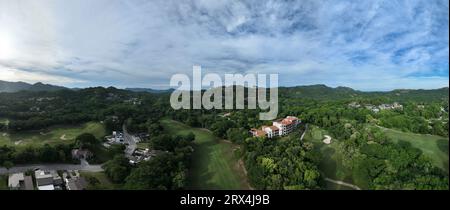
[(18, 142), (4, 134), (63, 137), (327, 139)]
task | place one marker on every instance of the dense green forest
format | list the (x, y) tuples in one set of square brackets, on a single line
[(280, 163), (166, 171)]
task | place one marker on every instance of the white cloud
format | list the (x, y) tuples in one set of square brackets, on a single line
[(364, 44), (15, 75)]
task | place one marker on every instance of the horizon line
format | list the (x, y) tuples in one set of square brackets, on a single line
[(170, 88)]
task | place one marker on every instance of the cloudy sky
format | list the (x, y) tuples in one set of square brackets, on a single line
[(366, 45)]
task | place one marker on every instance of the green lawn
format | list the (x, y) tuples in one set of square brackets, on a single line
[(434, 147), (4, 121), (52, 135), (331, 164), (103, 182), (143, 145), (214, 163), (4, 182)]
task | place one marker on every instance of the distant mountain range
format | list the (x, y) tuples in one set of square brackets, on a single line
[(19, 86), (11, 87), (323, 92), (149, 90), (318, 92)]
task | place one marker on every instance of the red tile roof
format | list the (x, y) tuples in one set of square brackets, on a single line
[(274, 128), (260, 133)]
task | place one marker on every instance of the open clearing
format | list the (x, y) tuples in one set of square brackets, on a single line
[(52, 135), (214, 166), (4, 121), (434, 147)]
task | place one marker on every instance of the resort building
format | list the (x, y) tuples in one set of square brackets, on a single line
[(279, 127), (257, 133), (286, 125), (271, 131)]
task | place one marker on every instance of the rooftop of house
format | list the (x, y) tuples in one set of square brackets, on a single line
[(43, 178), (273, 128), (260, 133), (42, 174), (78, 183), (287, 120), (14, 180), (46, 187)]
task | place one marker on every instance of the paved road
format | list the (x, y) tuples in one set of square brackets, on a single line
[(343, 183), (84, 166), (129, 139)]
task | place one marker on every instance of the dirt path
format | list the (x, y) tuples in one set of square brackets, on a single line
[(304, 132), (242, 168), (342, 183)]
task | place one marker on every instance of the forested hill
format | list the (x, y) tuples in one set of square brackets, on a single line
[(20, 86), (323, 92), (316, 92), (415, 95), (319, 92), (149, 90), (36, 110)]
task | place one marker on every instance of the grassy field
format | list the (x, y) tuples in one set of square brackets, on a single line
[(3, 182), (434, 147), (103, 181), (52, 135), (4, 121), (143, 145), (214, 163), (331, 164)]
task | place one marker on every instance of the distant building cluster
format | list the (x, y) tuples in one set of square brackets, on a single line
[(79, 154), (115, 138), (118, 137), (42, 99), (279, 127), (47, 180), (134, 101), (146, 154), (375, 108), (395, 105)]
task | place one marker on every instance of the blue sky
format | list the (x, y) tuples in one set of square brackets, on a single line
[(366, 45)]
